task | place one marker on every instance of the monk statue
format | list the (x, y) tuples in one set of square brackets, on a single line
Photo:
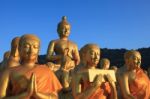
[(14, 58), (104, 63), (5, 59), (82, 88), (134, 83), (29, 80), (63, 48)]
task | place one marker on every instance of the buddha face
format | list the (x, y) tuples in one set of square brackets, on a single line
[(29, 50), (105, 65), (92, 56), (134, 61), (64, 31)]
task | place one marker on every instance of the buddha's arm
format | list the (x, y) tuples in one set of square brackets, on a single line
[(124, 85), (76, 56), (50, 53)]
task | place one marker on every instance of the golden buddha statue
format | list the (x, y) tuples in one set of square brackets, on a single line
[(82, 87), (29, 80), (134, 83), (5, 58), (14, 58), (104, 63), (63, 48)]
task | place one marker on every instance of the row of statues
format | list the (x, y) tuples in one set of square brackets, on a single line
[(68, 72)]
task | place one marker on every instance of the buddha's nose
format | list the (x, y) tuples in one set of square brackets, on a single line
[(64, 30), (31, 50)]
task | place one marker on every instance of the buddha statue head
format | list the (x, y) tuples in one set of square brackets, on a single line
[(90, 55), (63, 28), (105, 63), (6, 55), (132, 59), (29, 46)]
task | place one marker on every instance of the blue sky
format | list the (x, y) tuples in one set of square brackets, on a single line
[(108, 23)]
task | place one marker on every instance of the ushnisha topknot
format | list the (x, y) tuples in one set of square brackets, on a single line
[(62, 22)]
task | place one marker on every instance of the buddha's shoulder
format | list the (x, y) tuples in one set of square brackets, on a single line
[(54, 41)]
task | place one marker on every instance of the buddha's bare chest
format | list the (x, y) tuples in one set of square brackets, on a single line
[(61, 46)]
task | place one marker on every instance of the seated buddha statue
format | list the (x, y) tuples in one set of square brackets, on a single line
[(29, 80), (63, 48), (4, 61), (82, 88), (104, 63), (134, 83), (13, 58)]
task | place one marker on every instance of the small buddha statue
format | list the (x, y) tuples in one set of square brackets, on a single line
[(4, 61), (63, 48), (105, 63), (82, 88), (29, 80), (14, 58), (134, 83)]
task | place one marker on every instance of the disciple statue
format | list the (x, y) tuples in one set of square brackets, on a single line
[(105, 63), (5, 58), (29, 80), (63, 48), (134, 83), (14, 58), (84, 89)]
